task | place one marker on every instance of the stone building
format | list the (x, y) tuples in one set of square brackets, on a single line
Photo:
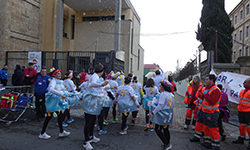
[(240, 19), (68, 26)]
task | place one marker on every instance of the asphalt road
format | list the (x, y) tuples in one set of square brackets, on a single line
[(23, 135)]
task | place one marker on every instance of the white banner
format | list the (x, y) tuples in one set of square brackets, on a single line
[(232, 84), (36, 59)]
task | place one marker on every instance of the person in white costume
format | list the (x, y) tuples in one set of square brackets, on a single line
[(95, 87)]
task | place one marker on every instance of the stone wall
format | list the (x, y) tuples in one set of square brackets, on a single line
[(21, 27)]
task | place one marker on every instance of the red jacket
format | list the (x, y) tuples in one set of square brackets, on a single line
[(29, 76)]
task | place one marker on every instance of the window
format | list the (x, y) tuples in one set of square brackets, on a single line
[(241, 14), (247, 31), (73, 26), (235, 37), (246, 51), (240, 54), (240, 35), (235, 20), (101, 18), (247, 9)]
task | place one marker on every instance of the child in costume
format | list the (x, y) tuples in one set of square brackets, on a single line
[(150, 92), (56, 102), (126, 102), (162, 113)]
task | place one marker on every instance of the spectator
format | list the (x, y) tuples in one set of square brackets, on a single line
[(23, 67), (4, 75), (41, 85), (29, 75), (82, 76), (17, 78)]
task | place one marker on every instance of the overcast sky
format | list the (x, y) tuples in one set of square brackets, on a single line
[(168, 30)]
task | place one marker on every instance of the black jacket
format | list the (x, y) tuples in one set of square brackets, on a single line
[(17, 78)]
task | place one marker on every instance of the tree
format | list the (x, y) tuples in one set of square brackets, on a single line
[(215, 19)]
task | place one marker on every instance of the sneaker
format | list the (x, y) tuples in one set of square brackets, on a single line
[(88, 146), (64, 124), (206, 145), (194, 139), (105, 122), (223, 137), (101, 132), (133, 121), (168, 147), (123, 132), (71, 120), (146, 127), (193, 127), (151, 126), (115, 120), (44, 136), (94, 139), (64, 134), (126, 128), (185, 126), (240, 140)]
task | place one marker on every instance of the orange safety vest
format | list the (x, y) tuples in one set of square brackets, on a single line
[(199, 96), (244, 104), (208, 108), (188, 96)]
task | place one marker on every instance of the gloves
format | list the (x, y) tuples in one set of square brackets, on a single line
[(157, 96), (206, 91), (200, 101)]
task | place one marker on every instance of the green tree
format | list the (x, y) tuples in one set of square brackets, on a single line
[(215, 19)]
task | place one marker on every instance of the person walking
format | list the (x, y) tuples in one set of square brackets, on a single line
[(94, 87), (40, 88), (189, 99), (207, 117), (224, 112), (56, 102), (150, 92), (4, 75), (244, 113), (70, 86), (165, 101), (139, 93), (125, 98), (159, 76)]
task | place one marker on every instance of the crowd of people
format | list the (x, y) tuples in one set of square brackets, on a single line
[(206, 103), (100, 92)]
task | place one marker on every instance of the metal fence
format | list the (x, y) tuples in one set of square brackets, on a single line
[(67, 60)]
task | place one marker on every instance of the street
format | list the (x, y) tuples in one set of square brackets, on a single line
[(23, 135)]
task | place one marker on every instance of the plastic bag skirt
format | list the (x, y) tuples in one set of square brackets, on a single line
[(92, 103), (55, 102), (126, 105), (162, 117)]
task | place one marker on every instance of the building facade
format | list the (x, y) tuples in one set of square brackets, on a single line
[(32, 25), (240, 19)]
